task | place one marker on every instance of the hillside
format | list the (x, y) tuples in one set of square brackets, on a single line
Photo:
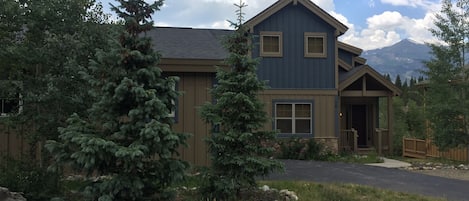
[(404, 58)]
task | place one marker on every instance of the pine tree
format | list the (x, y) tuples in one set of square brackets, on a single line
[(127, 138), (447, 105), (398, 82), (237, 150)]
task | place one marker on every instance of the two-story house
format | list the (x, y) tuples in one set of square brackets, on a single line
[(319, 87)]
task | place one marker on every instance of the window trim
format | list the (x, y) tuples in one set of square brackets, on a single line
[(174, 113), (293, 102), (308, 35), (280, 45)]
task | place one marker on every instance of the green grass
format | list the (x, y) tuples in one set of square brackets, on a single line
[(308, 191)]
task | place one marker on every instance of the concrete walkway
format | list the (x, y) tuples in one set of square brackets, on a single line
[(390, 163)]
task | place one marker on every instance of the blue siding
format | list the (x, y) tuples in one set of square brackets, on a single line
[(346, 56), (293, 70)]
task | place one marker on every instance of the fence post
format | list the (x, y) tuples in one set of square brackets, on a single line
[(380, 145)]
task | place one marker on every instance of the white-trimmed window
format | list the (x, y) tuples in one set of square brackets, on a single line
[(10, 100), (9, 106), (271, 44), (293, 118), (315, 44)]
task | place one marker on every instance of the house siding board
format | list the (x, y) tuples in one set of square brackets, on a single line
[(346, 56), (195, 92), (293, 70), (323, 111)]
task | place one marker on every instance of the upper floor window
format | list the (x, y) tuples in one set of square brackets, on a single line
[(271, 44), (315, 44), (293, 118)]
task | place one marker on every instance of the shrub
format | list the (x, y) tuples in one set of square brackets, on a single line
[(302, 149), (34, 181)]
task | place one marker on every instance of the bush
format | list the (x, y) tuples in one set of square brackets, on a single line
[(34, 181), (302, 149)]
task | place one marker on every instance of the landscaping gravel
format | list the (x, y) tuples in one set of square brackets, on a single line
[(453, 171)]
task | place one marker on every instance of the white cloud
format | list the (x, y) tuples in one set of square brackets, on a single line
[(327, 5), (426, 4), (390, 27), (381, 30), (387, 20)]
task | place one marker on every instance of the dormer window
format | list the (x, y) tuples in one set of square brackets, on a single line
[(271, 44), (315, 45)]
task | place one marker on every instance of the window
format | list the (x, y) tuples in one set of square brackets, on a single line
[(293, 118), (10, 99), (173, 102), (9, 106), (315, 44), (271, 44)]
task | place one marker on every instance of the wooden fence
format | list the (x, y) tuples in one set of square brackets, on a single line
[(425, 148)]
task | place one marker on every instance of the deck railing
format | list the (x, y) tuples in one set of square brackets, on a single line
[(381, 140), (348, 140), (417, 148)]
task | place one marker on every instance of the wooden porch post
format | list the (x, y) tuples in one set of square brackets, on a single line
[(390, 122)]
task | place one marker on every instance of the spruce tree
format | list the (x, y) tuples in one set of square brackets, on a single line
[(447, 104), (126, 139), (237, 148)]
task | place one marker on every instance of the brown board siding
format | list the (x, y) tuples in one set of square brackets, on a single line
[(195, 92), (324, 108), (13, 144)]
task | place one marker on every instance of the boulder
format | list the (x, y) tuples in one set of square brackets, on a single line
[(6, 195)]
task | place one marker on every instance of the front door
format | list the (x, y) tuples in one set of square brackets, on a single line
[(359, 123)]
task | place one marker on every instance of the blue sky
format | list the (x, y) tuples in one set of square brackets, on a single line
[(372, 23)]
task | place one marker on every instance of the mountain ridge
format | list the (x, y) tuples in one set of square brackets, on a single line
[(404, 58)]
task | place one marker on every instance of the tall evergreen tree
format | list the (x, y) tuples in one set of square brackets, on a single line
[(398, 81), (448, 106), (47, 43), (237, 150), (127, 136)]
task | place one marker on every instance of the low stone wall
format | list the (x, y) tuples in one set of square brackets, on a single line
[(7, 195), (330, 144)]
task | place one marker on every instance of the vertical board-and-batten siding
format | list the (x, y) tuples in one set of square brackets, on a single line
[(293, 70), (323, 110), (346, 56), (195, 92)]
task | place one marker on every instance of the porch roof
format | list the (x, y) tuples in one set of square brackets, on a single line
[(348, 78)]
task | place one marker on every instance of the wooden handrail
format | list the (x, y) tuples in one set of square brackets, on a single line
[(354, 138)]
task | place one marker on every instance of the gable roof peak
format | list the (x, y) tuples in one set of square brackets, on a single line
[(339, 26)]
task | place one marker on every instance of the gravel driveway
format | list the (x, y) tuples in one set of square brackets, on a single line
[(393, 179)]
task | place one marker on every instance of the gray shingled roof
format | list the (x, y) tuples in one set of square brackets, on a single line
[(189, 43)]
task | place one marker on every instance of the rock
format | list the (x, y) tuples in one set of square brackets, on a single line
[(6, 195), (289, 195), (265, 188)]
